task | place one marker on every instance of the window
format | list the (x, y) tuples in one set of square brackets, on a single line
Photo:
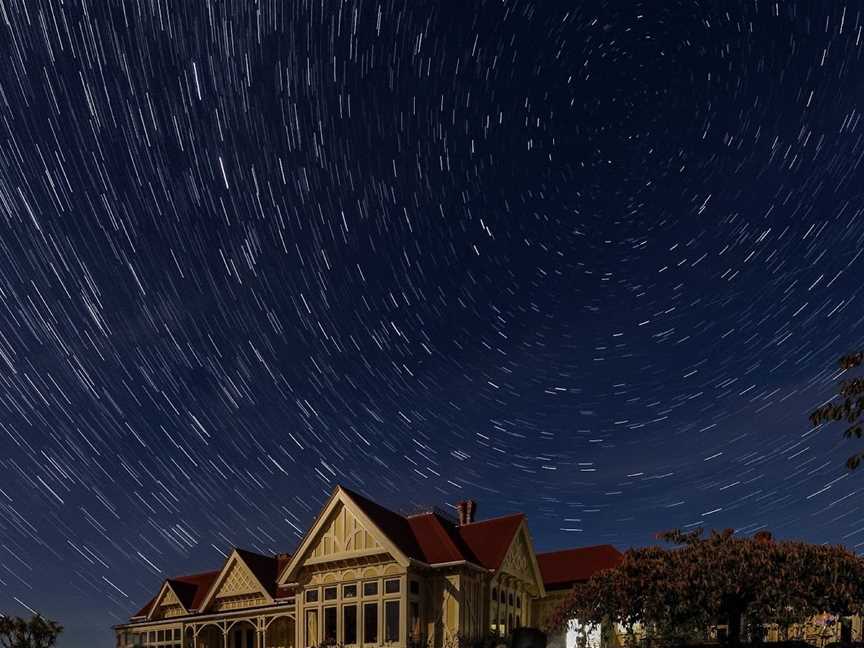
[(391, 622), (414, 587), (391, 586), (510, 622), (370, 623), (511, 599), (349, 591), (330, 625), (312, 596), (414, 620), (519, 602), (311, 627), (370, 588), (177, 634), (494, 593), (349, 625), (330, 593), (503, 596)]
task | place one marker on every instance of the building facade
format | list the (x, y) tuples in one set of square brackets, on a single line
[(364, 576)]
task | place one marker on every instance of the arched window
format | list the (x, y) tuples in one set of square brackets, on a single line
[(495, 594), (503, 597), (519, 602), (510, 602)]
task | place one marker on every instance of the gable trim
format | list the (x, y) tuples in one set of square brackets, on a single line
[(522, 530), (233, 558), (339, 496), (166, 587)]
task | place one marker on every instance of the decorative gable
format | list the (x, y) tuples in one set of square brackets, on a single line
[(521, 562), (235, 588), (343, 534), (167, 604), (344, 530)]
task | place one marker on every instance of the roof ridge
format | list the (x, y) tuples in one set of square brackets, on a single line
[(598, 546), (494, 519)]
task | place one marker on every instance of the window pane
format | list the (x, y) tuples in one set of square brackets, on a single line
[(330, 593), (311, 627), (495, 594), (176, 633), (414, 621), (391, 622), (511, 599), (349, 591), (370, 588), (330, 625), (391, 586), (349, 625), (312, 596), (370, 623)]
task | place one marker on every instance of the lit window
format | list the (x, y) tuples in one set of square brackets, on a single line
[(391, 586), (312, 627)]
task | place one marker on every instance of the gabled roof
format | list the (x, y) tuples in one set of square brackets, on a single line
[(489, 540), (192, 589), (396, 527), (561, 569), (429, 538), (262, 567), (144, 611)]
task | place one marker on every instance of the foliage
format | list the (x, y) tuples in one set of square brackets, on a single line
[(37, 632), (851, 409), (672, 596)]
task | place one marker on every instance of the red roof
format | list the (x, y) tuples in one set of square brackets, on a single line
[(561, 569), (430, 538), (192, 589), (489, 540), (144, 611)]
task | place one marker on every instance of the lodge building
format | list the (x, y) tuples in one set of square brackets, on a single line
[(364, 576)]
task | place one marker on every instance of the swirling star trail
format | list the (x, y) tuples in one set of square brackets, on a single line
[(593, 261)]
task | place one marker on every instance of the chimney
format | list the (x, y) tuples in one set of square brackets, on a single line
[(466, 510)]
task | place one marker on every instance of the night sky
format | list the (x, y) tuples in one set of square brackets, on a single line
[(594, 261)]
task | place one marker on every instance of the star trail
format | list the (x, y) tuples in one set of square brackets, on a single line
[(594, 261)]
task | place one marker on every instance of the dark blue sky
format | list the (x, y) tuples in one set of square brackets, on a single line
[(593, 262)]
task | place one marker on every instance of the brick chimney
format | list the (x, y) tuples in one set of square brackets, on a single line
[(466, 509)]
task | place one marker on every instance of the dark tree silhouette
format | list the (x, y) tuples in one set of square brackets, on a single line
[(37, 632), (850, 409)]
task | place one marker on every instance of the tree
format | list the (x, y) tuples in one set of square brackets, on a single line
[(851, 393), (675, 595), (38, 632)]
